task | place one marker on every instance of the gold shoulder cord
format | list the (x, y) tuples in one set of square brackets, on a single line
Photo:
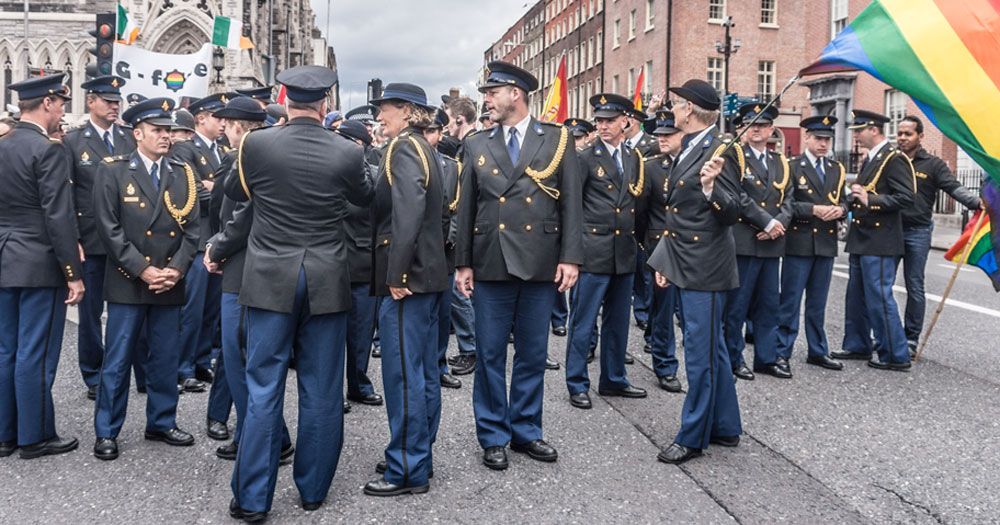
[(458, 188), (239, 165), (739, 157), (870, 188), (835, 199), (388, 160), (636, 189), (423, 160), (539, 176), (179, 215), (780, 186)]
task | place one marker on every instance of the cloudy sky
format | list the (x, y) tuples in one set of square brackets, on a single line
[(436, 44)]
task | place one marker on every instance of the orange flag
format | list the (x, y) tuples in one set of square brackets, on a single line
[(555, 103), (637, 98)]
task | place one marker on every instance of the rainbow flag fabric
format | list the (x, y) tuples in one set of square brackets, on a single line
[(943, 53), (985, 250)]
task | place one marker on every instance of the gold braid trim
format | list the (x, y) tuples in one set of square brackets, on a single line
[(423, 159), (458, 188), (870, 187), (239, 166), (388, 160), (636, 189), (539, 176), (780, 186), (739, 157), (181, 214), (835, 199)]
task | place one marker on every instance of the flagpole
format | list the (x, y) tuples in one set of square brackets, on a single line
[(759, 114), (27, 60), (947, 291)]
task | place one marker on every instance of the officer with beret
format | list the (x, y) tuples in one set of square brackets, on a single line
[(811, 242), (519, 241), (40, 257), (100, 138), (885, 186), (760, 243), (296, 286), (614, 176), (260, 94), (147, 214), (697, 254), (659, 334)]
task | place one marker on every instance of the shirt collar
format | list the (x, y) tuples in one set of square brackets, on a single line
[(812, 158), (37, 125), (101, 131), (635, 139), (204, 139), (874, 151), (611, 149), (694, 138), (148, 163), (522, 130), (756, 153)]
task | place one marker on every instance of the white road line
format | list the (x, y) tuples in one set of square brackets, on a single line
[(937, 299), (952, 267)]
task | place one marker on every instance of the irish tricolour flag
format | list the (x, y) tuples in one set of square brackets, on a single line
[(229, 33), (127, 30)]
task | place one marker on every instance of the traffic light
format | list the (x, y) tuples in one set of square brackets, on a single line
[(104, 32), (374, 89)]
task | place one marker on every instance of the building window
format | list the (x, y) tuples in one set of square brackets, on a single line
[(647, 80), (765, 80), (614, 84), (838, 17), (716, 10), (715, 70), (895, 109), (769, 12), (599, 54), (618, 34), (650, 13), (631, 26), (600, 5), (592, 8), (631, 81)]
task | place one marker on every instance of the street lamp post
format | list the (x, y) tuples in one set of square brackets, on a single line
[(726, 49), (218, 63)]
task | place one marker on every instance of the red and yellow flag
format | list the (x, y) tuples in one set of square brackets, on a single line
[(637, 97), (555, 104)]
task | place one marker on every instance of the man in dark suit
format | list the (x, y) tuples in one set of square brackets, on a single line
[(886, 186), (296, 285), (613, 179), (98, 139), (519, 240), (146, 208), (760, 243), (697, 254), (811, 243), (40, 257)]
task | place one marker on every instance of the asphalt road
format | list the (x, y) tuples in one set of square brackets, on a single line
[(857, 446)]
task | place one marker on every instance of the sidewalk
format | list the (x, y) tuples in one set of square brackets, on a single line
[(947, 230)]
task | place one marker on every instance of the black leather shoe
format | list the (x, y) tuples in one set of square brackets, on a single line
[(725, 441), (551, 364), (7, 448), (825, 362), (92, 393), (310, 506), (381, 487), (670, 383), (581, 400), (647, 348), (142, 388), (377, 352), (874, 363), (559, 331), (495, 458), (590, 355), (372, 399), (783, 364), (174, 437), (204, 375), (347, 407), (463, 365), (106, 449), (49, 447), (450, 381), (629, 391), (643, 325), (912, 347), (227, 451), (382, 466), (773, 370), (246, 515), (677, 454), (537, 450), (286, 452), (844, 354), (743, 372), (748, 338), (191, 385), (217, 430), (629, 360)]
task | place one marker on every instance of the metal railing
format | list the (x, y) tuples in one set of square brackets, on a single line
[(970, 178)]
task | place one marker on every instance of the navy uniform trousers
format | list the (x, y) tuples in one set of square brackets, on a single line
[(411, 378), (661, 330), (525, 307), (871, 308), (318, 342), (560, 313), (90, 340), (360, 330), (809, 276), (710, 407), (444, 329), (126, 322), (614, 293), (202, 294), (642, 288), (757, 298), (31, 330)]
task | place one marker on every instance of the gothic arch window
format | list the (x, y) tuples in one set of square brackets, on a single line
[(182, 37), (8, 79)]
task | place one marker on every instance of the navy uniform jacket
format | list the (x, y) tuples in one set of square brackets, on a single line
[(407, 218), (140, 229), (218, 194), (933, 175), (766, 196), (609, 209), (451, 170), (810, 236), (38, 232), (87, 150), (697, 251), (654, 205), (298, 176), (647, 145), (877, 229), (520, 222), (196, 153), (358, 226), (229, 245)]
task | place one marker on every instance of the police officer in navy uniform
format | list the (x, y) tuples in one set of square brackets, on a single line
[(519, 240), (760, 243), (260, 94), (99, 138), (147, 218), (296, 285), (642, 289), (40, 257), (811, 242), (659, 334), (885, 186), (614, 177), (201, 309), (697, 254)]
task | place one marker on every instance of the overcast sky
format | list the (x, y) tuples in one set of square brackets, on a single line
[(436, 44)]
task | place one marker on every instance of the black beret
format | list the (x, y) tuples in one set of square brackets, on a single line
[(700, 93)]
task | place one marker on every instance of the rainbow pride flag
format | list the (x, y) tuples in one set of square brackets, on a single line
[(945, 54), (986, 244)]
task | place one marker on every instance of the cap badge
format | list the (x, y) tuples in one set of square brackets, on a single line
[(114, 83), (572, 123), (756, 109), (223, 98), (826, 121), (603, 100), (165, 106)]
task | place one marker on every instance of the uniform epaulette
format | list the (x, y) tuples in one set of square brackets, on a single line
[(176, 162), (55, 140), (553, 124), (447, 157), (116, 158), (475, 132)]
